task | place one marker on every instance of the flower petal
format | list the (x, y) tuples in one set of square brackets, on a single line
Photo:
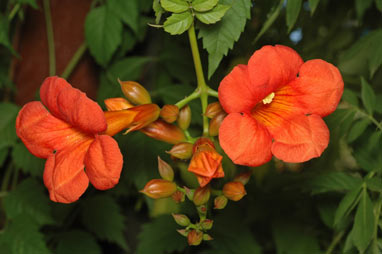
[(301, 139), (245, 140), (42, 133), (272, 67), (64, 174), (235, 93), (104, 162), (321, 86)]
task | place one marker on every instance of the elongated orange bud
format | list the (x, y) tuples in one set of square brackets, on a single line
[(165, 170), (114, 104), (201, 195), (166, 132), (234, 191), (181, 219), (181, 151), (132, 119), (159, 188), (215, 123), (184, 118), (213, 109), (194, 237), (135, 92), (169, 113), (220, 202)]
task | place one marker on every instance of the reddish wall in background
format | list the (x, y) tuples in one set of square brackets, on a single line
[(68, 18)]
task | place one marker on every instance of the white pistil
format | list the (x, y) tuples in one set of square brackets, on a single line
[(269, 98)]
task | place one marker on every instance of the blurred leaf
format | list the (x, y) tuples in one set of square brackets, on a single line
[(178, 23), (29, 163), (3, 155), (127, 11), (368, 96), (374, 184), (361, 6), (327, 212), (160, 236), (378, 3), (176, 6), (103, 34), (213, 15), (29, 198), (347, 204), (271, 17), (332, 181), (204, 5), (374, 140), (101, 215), (366, 160), (363, 223), (350, 97), (313, 6), (77, 242), (4, 33), (31, 3), (8, 114), (23, 237), (375, 59), (358, 128), (292, 11), (219, 38)]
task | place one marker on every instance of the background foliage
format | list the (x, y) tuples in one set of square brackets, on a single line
[(328, 205)]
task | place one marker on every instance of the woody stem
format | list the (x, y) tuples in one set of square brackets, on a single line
[(202, 87)]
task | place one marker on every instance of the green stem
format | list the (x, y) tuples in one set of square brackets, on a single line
[(13, 12), (212, 92), (202, 86), (50, 36), (336, 239), (74, 61), (180, 104), (372, 119)]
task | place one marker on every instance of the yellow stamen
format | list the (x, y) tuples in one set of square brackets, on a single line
[(269, 98)]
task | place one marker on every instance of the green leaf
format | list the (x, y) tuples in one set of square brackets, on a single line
[(103, 34), (368, 96), (219, 38), (375, 59), (374, 184), (347, 204), (292, 11), (178, 23), (31, 3), (176, 6), (374, 140), (213, 15), (127, 11), (350, 97), (313, 6), (363, 227), (357, 129), (23, 237), (327, 212), (160, 236), (332, 181), (158, 11), (204, 5), (378, 3), (77, 242), (101, 215), (8, 114), (361, 6), (29, 163), (29, 198), (4, 33), (3, 155), (271, 18)]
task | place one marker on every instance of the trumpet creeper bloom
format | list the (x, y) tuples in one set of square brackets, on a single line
[(72, 135), (275, 106)]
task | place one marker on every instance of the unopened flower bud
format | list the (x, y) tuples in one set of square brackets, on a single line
[(165, 170), (189, 193), (163, 131), (178, 196), (194, 237), (115, 104), (207, 224), (243, 177), (213, 129), (159, 188), (181, 219), (201, 195), (181, 151), (184, 117), (169, 113), (134, 92), (202, 210), (213, 109), (183, 232), (207, 237), (220, 202), (234, 191)]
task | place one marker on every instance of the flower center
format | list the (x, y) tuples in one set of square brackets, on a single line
[(269, 98)]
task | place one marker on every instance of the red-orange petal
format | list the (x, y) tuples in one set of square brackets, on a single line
[(103, 162), (42, 133), (301, 139), (235, 93), (321, 87), (64, 174), (272, 67), (245, 140)]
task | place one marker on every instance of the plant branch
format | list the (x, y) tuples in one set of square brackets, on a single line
[(336, 239), (14, 11), (74, 61), (196, 94), (50, 36)]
